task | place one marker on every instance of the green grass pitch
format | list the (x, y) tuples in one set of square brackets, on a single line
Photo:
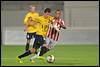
[(65, 55)]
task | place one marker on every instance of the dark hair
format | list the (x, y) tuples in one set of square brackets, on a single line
[(57, 10), (47, 10)]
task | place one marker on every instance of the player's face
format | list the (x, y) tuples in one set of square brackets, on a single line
[(46, 14), (33, 9), (58, 13)]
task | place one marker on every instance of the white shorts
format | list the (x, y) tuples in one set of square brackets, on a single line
[(51, 43)]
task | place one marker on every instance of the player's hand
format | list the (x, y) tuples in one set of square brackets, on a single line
[(25, 29), (63, 27), (56, 28), (31, 21)]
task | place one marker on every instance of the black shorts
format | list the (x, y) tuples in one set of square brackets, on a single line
[(39, 41), (30, 35)]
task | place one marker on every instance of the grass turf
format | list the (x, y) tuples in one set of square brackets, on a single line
[(65, 55)]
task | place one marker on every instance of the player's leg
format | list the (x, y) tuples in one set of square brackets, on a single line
[(46, 47), (36, 54), (33, 36), (28, 52), (27, 44), (39, 54), (28, 37), (38, 43), (43, 49)]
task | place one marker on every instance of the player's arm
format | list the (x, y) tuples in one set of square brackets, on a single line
[(51, 19), (63, 25), (29, 21), (55, 27), (33, 21), (25, 22), (25, 27)]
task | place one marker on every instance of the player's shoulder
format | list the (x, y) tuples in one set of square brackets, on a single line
[(40, 17), (30, 13), (36, 13), (61, 20), (50, 16)]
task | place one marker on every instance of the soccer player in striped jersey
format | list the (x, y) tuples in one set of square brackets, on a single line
[(52, 34), (54, 30)]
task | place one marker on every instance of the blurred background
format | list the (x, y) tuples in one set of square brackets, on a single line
[(81, 18)]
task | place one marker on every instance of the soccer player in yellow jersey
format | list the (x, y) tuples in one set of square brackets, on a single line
[(43, 24), (52, 35), (29, 24)]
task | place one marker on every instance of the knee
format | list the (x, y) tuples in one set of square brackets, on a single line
[(33, 50), (45, 45)]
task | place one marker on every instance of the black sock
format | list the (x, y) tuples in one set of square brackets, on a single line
[(27, 46), (25, 54), (43, 51)]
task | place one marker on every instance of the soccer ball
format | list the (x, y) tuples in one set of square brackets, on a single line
[(50, 58)]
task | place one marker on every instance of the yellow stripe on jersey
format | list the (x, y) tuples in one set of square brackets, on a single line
[(43, 25), (31, 29)]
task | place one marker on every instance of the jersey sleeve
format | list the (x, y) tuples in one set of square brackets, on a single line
[(63, 22), (36, 15), (38, 19), (51, 19), (26, 19)]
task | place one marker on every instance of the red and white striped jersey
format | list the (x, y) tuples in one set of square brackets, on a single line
[(52, 33)]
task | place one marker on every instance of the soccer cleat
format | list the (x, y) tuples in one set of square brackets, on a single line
[(32, 61), (19, 60), (41, 57)]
